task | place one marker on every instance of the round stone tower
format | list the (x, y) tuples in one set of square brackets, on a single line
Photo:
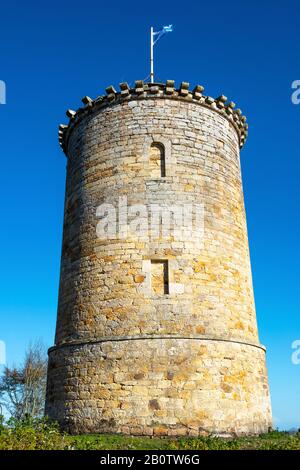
[(156, 331)]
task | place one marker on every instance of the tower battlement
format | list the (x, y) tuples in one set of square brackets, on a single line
[(155, 90)]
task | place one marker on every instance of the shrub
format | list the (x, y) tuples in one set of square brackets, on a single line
[(31, 434)]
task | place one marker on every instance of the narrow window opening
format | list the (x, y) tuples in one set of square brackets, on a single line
[(157, 160), (160, 277)]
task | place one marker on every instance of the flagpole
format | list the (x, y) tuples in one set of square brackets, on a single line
[(151, 56)]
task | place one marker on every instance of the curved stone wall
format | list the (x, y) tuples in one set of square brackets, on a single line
[(111, 367), (160, 387)]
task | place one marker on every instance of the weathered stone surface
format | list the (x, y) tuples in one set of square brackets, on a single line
[(131, 356), (216, 386)]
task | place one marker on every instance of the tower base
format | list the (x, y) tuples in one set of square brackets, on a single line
[(164, 386)]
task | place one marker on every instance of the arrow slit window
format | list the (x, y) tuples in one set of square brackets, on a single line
[(157, 160), (160, 277)]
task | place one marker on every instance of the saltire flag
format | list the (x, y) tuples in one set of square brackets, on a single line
[(162, 32)]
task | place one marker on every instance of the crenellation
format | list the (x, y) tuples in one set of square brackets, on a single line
[(87, 101), (70, 113), (125, 90), (209, 100), (159, 90), (170, 87), (139, 86), (220, 101), (184, 89)]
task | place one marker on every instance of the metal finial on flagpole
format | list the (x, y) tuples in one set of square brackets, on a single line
[(151, 56)]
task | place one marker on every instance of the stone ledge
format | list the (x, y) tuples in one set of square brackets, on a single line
[(154, 337)]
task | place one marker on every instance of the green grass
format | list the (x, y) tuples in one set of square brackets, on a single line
[(274, 440), (42, 435)]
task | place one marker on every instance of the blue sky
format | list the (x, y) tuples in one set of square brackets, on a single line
[(53, 54)]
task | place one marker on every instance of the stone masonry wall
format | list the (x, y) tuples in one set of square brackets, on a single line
[(160, 387), (130, 356)]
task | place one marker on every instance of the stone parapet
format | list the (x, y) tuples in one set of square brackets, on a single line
[(155, 90)]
